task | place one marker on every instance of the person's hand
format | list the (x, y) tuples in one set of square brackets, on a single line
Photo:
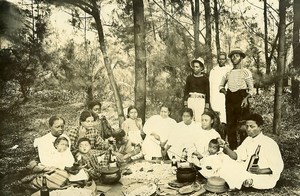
[(157, 137), (223, 91), (255, 170), (197, 154), (72, 170), (81, 132), (49, 170), (221, 142), (244, 102)]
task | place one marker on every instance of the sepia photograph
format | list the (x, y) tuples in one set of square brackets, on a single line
[(149, 97)]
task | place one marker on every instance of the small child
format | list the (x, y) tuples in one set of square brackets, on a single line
[(90, 160), (211, 161), (133, 127), (63, 157)]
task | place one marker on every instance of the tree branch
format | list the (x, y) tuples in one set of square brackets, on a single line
[(173, 18)]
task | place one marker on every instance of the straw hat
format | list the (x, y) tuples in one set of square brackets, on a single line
[(199, 60), (216, 185), (237, 51)]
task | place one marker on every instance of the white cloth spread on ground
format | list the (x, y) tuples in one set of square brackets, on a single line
[(217, 99), (269, 157), (162, 127), (182, 137), (48, 153)]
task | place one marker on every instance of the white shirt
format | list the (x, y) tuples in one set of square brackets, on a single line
[(217, 99), (204, 138), (182, 137), (46, 149), (162, 127), (269, 155)]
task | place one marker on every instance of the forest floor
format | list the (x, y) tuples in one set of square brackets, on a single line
[(21, 123)]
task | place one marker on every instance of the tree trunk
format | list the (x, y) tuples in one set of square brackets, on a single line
[(296, 50), (96, 16), (280, 68), (216, 15), (140, 57), (268, 60), (208, 35), (89, 92), (196, 22)]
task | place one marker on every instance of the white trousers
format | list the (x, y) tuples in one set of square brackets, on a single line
[(234, 173), (197, 105)]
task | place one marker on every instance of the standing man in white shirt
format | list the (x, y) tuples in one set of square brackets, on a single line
[(239, 81), (269, 166), (217, 99)]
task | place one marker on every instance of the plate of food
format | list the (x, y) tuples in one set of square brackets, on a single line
[(186, 190), (145, 190)]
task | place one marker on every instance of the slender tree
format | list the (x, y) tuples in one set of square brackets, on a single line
[(280, 68), (140, 57), (208, 35), (216, 17), (195, 8), (92, 8), (296, 49)]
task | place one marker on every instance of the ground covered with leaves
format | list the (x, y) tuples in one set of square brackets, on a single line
[(21, 123)]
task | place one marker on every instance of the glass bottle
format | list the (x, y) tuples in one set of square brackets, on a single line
[(254, 159), (44, 189)]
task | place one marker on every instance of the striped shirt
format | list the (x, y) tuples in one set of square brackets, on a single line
[(238, 79)]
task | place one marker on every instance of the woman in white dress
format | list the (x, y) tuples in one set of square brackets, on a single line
[(157, 129), (183, 136)]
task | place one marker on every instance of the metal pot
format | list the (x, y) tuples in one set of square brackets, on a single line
[(110, 175), (186, 174)]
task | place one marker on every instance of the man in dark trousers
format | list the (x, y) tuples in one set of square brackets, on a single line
[(240, 87)]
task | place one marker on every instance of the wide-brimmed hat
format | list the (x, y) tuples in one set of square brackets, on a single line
[(199, 60), (237, 51), (216, 185)]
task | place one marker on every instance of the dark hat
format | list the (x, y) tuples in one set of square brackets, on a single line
[(237, 51), (199, 60), (255, 117)]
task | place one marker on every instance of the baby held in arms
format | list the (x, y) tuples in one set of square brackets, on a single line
[(211, 160)]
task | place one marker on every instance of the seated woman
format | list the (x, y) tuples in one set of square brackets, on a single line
[(50, 147), (87, 129), (102, 124), (157, 129), (186, 130), (206, 133)]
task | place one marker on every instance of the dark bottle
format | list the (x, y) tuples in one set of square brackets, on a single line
[(254, 159), (184, 155), (44, 189), (111, 159), (174, 162), (173, 165)]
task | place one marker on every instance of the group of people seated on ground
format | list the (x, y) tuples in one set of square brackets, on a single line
[(84, 150)]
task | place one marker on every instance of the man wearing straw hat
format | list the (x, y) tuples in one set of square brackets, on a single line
[(196, 92), (240, 87)]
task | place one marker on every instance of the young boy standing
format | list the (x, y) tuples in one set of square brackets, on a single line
[(196, 92)]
